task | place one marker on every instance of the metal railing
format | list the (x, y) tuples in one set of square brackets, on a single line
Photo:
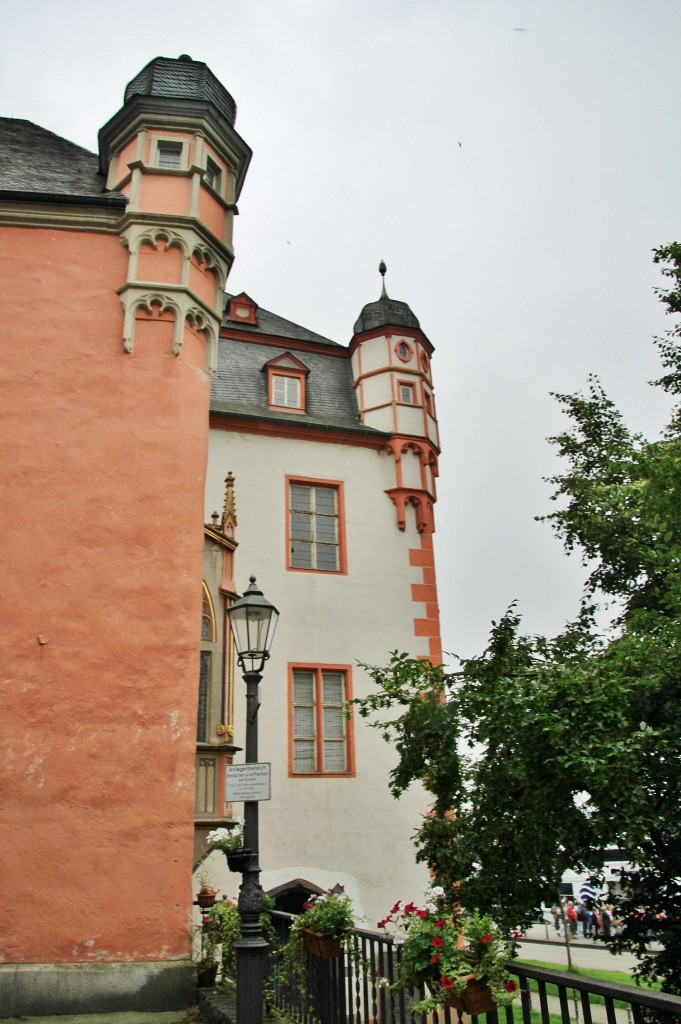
[(339, 991)]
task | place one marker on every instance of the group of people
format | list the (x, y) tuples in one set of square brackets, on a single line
[(595, 920)]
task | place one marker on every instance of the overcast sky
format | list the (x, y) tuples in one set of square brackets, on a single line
[(514, 162)]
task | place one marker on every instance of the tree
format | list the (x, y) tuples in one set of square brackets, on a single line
[(542, 752)]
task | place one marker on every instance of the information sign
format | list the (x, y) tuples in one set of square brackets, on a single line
[(248, 782)]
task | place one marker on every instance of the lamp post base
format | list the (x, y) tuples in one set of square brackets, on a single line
[(251, 948), (250, 980)]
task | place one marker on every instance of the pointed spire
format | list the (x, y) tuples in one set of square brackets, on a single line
[(229, 511), (385, 311), (382, 269)]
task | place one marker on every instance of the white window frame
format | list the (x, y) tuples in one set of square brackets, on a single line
[(291, 390)]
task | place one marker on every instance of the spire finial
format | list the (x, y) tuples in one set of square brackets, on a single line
[(229, 509), (382, 269)]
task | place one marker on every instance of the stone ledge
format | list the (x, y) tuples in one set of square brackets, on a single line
[(47, 989), (217, 1006)]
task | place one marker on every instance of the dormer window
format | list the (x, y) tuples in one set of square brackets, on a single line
[(286, 383), (242, 309), (286, 391)]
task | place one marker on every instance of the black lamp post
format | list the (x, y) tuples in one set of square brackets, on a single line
[(253, 621)]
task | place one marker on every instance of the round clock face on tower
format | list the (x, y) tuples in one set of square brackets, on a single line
[(242, 311)]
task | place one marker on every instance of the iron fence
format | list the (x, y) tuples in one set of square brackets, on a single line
[(357, 991)]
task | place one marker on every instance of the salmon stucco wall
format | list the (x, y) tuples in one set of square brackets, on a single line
[(103, 457)]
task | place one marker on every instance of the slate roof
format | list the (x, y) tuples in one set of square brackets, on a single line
[(273, 325), (182, 78), (35, 160), (385, 312), (239, 386)]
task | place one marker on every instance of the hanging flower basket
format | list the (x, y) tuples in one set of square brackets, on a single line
[(475, 999), (206, 897), (324, 946), (460, 960), (238, 860)]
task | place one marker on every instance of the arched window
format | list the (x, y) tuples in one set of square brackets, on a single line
[(208, 639), (207, 618)]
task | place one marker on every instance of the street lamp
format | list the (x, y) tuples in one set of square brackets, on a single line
[(253, 621)]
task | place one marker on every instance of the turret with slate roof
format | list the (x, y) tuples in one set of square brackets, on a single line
[(172, 150), (392, 374)]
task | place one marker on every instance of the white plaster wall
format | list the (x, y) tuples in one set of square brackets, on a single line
[(411, 470), (344, 826), (380, 419), (375, 354), (433, 434), (377, 390), (410, 420)]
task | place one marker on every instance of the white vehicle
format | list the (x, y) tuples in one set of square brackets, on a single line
[(578, 885)]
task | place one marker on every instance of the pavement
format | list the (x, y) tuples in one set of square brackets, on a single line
[(541, 942)]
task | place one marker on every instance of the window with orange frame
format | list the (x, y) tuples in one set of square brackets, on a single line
[(315, 529), (321, 739)]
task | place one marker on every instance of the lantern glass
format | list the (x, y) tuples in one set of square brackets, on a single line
[(253, 621)]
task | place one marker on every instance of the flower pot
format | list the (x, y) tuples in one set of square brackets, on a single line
[(476, 998), (206, 975), (324, 946), (206, 900), (238, 860)]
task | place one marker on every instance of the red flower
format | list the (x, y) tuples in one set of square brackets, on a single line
[(440, 924), (421, 913), (510, 986), (409, 908), (434, 958), (307, 906), (437, 941), (446, 982), (396, 908), (486, 938)]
